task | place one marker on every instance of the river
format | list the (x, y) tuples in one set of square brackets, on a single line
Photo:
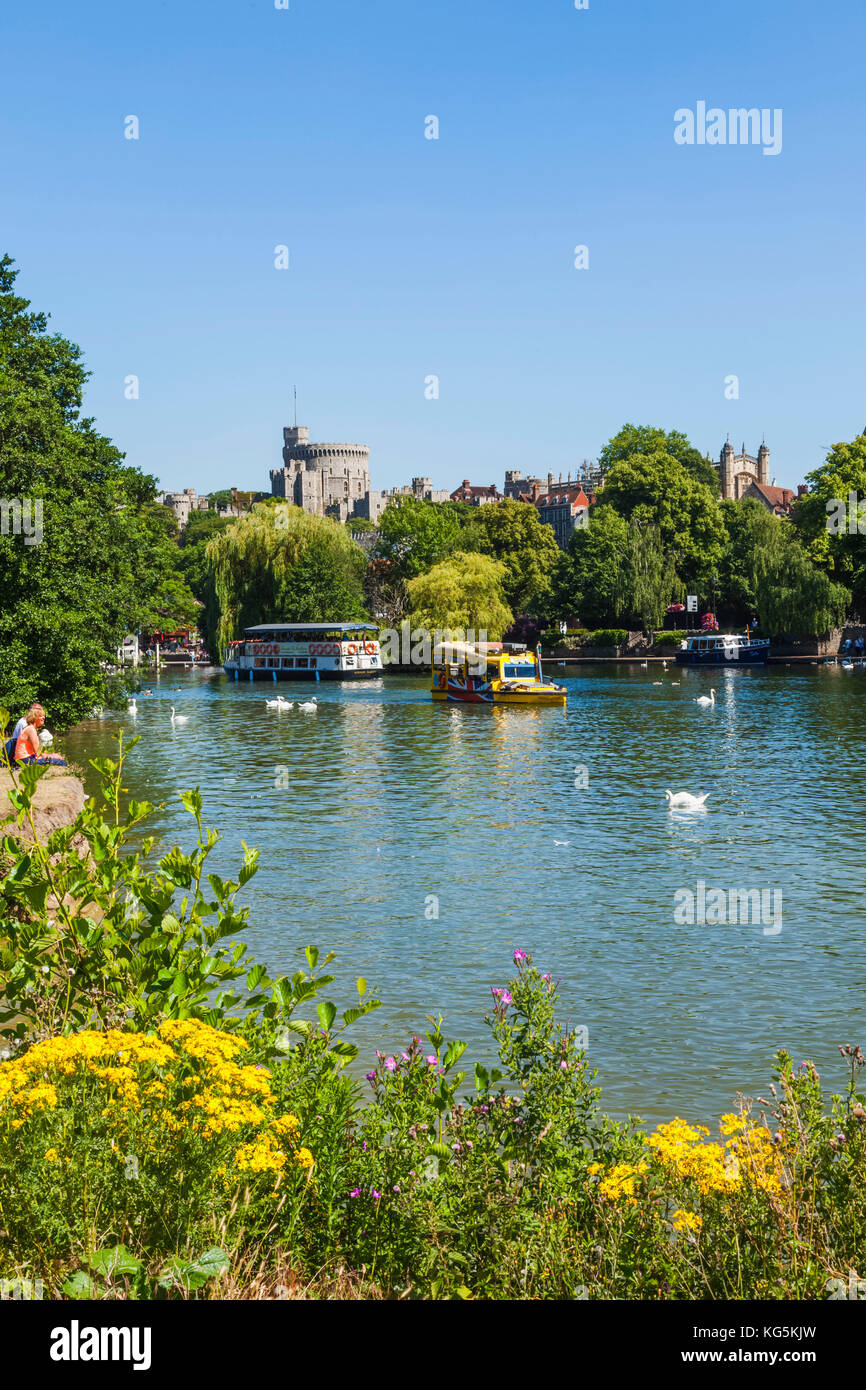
[(547, 830)]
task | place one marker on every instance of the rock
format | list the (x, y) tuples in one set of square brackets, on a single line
[(58, 799)]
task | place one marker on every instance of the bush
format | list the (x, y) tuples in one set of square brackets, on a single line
[(667, 639), (607, 637)]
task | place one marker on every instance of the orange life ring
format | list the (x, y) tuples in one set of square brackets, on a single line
[(370, 648), (351, 649)]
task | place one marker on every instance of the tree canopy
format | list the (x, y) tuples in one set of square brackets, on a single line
[(280, 564), (513, 533), (649, 439), (414, 535), (462, 591), (831, 518), (104, 564)]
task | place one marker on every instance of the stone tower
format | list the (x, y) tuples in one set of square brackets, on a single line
[(321, 478), (737, 471)]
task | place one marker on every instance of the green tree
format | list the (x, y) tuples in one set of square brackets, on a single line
[(192, 554), (103, 564), (589, 582), (280, 564), (794, 597), (657, 489), (648, 577), (463, 591), (649, 439), (513, 533), (831, 518), (413, 535), (751, 528)]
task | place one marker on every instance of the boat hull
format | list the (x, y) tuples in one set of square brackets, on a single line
[(740, 656), (460, 696), (324, 674)]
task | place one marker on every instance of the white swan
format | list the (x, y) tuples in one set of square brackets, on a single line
[(847, 665), (280, 703), (643, 666), (706, 700), (684, 801), (309, 705), (132, 707), (179, 718)]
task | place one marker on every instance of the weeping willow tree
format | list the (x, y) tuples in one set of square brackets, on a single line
[(648, 577), (462, 591), (795, 597), (279, 564)]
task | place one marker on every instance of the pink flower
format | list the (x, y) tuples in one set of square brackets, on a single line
[(356, 1192), (519, 956), (405, 1056), (505, 998), (377, 1196), (563, 1066), (390, 1064), (431, 1061)]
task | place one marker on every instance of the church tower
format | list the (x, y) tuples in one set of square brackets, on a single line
[(763, 463)]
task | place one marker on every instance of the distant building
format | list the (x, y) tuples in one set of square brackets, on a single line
[(775, 499), (476, 496), (737, 471), (373, 504), (324, 479), (182, 503), (566, 509), (589, 476)]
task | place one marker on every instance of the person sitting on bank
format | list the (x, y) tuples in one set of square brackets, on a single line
[(22, 722), (28, 749)]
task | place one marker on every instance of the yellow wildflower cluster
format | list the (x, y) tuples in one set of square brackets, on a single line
[(747, 1156), (619, 1182), (185, 1079), (686, 1221)]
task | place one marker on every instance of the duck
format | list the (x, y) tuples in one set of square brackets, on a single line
[(179, 718), (706, 700), (684, 801), (309, 705), (280, 703)]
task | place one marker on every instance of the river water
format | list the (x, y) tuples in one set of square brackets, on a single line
[(547, 830)]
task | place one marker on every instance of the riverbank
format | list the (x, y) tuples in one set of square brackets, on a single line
[(58, 800)]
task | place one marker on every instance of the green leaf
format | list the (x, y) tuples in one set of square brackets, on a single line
[(312, 954), (256, 975), (114, 1260), (79, 1285), (454, 1053), (362, 986), (327, 1013)]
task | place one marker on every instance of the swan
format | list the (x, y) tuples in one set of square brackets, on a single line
[(280, 703), (706, 700), (684, 801), (664, 665), (45, 738), (658, 682), (178, 718), (847, 665), (643, 666), (309, 705), (132, 707)]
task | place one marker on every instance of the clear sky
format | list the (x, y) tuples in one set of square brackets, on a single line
[(454, 257)]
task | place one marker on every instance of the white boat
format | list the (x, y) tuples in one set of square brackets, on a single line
[(305, 652)]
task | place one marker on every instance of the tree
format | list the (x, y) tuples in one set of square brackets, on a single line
[(101, 563), (280, 564), (589, 579), (648, 439), (656, 489), (648, 577), (192, 563), (831, 518), (513, 533), (751, 528), (413, 535), (462, 591), (794, 596)]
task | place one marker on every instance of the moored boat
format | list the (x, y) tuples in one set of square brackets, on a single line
[(723, 649), (305, 651), (491, 673)]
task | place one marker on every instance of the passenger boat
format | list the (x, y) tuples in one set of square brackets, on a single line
[(491, 673), (723, 649), (305, 652)]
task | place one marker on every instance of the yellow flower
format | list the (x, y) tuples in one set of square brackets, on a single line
[(52, 1156), (686, 1221), (304, 1158)]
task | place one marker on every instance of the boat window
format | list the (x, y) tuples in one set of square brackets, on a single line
[(303, 661), (260, 663), (314, 661), (525, 670), (288, 662), (273, 663)]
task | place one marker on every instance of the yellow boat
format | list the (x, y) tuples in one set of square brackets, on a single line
[(490, 673)]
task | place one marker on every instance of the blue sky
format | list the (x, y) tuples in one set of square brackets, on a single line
[(452, 257)]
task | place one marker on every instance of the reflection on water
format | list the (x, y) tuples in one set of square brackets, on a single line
[(382, 798)]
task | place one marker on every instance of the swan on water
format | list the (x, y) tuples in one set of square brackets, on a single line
[(132, 707), (706, 699), (178, 718), (684, 801), (310, 705), (280, 703)]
